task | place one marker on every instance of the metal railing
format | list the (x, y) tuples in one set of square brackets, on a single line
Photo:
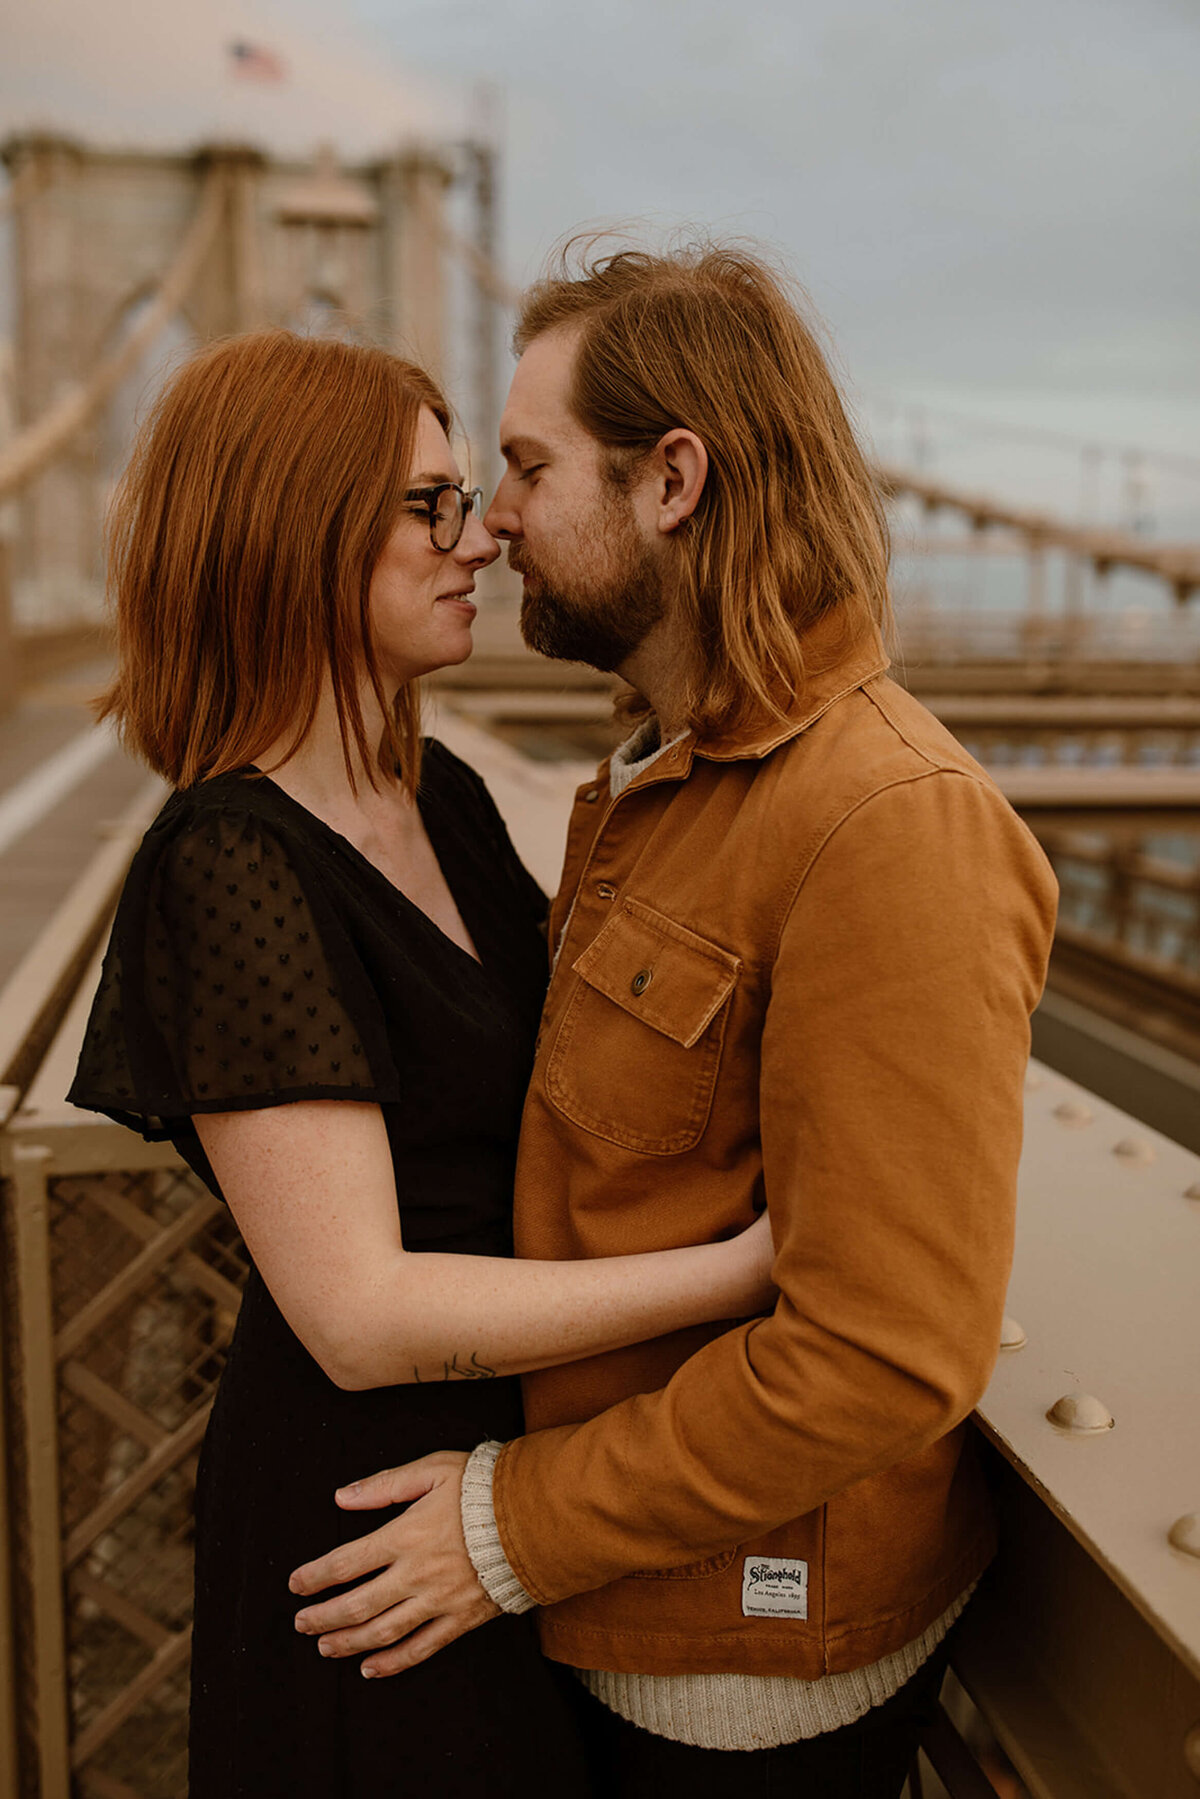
[(1079, 731)]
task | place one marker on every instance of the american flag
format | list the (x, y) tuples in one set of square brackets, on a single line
[(253, 62)]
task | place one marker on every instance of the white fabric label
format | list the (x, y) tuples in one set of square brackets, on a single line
[(774, 1588)]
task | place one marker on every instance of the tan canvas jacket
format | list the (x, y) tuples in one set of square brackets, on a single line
[(798, 969)]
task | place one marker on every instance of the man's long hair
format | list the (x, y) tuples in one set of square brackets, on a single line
[(790, 528)]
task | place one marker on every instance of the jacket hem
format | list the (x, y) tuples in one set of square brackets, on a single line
[(801, 1652)]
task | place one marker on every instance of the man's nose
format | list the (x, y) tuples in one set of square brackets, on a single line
[(502, 518)]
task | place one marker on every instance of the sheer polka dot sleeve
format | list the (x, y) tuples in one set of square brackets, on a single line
[(229, 984)]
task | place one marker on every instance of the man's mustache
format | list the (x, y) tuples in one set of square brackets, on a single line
[(517, 561)]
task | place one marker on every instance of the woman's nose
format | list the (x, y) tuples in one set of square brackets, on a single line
[(477, 545)]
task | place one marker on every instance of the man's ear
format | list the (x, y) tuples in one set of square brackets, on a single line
[(681, 469)]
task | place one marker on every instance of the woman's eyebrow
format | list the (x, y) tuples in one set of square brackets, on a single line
[(435, 480)]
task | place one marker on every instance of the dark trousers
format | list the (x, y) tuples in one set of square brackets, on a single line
[(867, 1760)]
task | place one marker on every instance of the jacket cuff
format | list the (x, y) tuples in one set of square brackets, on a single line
[(482, 1537)]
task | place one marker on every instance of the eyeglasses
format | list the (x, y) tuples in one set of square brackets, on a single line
[(448, 506)]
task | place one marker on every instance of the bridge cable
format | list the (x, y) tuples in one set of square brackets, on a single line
[(1179, 566), (482, 269)]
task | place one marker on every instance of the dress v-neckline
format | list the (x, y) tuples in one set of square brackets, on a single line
[(474, 955)]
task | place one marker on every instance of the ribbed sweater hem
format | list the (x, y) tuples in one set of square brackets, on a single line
[(707, 1711), (761, 1711), (482, 1538)]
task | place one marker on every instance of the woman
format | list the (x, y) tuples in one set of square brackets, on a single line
[(323, 986)]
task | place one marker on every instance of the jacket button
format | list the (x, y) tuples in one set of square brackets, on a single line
[(606, 891), (641, 980), (592, 795)]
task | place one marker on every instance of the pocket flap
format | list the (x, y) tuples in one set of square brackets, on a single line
[(658, 971)]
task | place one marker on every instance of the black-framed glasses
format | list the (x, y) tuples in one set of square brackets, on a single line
[(448, 506)]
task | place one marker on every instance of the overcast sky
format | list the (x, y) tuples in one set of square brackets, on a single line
[(978, 196), (993, 206)]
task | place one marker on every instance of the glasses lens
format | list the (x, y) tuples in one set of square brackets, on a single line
[(448, 519)]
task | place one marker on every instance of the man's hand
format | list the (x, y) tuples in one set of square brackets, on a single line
[(426, 1591)]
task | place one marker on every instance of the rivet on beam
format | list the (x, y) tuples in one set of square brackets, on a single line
[(1185, 1534), (1073, 1112), (1080, 1412), (1012, 1335), (1191, 1750), (1134, 1150)]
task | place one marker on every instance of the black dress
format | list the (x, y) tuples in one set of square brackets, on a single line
[(258, 958)]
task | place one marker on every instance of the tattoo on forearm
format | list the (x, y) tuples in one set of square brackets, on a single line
[(455, 1369)]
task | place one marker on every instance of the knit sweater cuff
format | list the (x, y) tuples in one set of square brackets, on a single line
[(482, 1537)]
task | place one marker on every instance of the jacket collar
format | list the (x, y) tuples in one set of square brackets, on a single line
[(837, 662), (836, 666)]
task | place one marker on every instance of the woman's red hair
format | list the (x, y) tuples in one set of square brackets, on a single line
[(242, 541)]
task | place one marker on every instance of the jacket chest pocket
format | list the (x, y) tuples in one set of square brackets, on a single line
[(638, 1049)]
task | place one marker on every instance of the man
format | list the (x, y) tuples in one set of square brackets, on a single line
[(796, 947)]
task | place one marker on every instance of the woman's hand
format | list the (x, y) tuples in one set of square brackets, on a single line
[(750, 1257)]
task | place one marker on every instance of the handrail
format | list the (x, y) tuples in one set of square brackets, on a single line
[(1134, 864), (37, 992), (39, 443)]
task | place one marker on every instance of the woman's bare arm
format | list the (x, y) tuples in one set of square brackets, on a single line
[(312, 1189)]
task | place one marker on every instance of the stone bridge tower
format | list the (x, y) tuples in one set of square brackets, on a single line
[(361, 250)]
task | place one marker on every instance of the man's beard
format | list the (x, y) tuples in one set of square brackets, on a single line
[(599, 615)]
